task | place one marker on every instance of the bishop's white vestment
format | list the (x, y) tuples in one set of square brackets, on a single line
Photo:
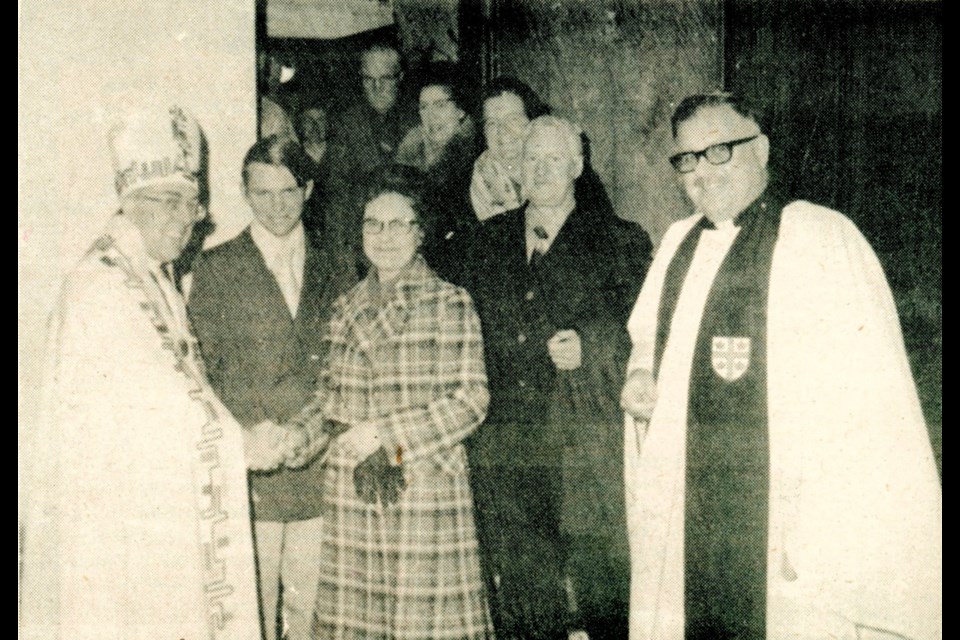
[(137, 523)]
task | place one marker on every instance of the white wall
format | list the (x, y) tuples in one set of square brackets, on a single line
[(79, 62)]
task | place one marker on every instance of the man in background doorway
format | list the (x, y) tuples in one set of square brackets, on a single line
[(315, 137), (364, 138)]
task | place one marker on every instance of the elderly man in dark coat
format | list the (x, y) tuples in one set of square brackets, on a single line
[(550, 280)]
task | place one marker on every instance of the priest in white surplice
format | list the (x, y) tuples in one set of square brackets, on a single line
[(137, 523), (780, 481)]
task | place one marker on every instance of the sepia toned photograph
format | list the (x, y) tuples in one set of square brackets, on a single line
[(476, 319)]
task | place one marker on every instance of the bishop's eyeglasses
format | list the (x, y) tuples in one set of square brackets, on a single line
[(715, 154), (171, 204)]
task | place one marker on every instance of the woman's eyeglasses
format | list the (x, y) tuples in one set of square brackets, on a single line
[(374, 226)]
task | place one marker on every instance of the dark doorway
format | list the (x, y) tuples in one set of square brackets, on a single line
[(852, 91)]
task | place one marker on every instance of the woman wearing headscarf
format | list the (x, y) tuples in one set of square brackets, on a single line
[(495, 185)]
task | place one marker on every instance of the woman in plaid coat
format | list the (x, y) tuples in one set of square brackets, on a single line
[(405, 384)]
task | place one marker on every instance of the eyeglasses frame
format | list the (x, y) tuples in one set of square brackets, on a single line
[(675, 160)]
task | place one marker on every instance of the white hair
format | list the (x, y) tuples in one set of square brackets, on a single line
[(568, 130)]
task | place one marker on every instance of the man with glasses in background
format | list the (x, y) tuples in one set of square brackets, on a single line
[(260, 304), (780, 480), (137, 521), (363, 139)]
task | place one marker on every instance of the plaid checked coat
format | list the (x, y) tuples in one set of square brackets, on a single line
[(414, 366)]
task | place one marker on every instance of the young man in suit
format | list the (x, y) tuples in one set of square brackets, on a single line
[(260, 304)]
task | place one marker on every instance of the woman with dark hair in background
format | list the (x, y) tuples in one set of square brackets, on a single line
[(508, 107), (443, 147), (404, 385)]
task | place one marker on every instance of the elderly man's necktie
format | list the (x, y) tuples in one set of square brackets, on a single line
[(538, 248)]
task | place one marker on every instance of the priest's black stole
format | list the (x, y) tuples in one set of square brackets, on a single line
[(727, 454)]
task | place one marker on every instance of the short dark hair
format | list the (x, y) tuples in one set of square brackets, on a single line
[(449, 76), (302, 116), (691, 104), (533, 106), (385, 45), (280, 151), (404, 181)]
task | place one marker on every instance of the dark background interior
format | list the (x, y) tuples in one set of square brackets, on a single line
[(850, 89)]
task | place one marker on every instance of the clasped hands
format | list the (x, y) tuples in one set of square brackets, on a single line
[(268, 446)]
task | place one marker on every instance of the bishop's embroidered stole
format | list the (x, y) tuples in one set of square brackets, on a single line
[(223, 521)]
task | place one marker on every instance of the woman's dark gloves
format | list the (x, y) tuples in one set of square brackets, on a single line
[(376, 480)]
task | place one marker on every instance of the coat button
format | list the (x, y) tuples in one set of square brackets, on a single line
[(521, 338), (522, 384), (529, 295)]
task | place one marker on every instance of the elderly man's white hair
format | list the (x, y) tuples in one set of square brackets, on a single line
[(568, 130)]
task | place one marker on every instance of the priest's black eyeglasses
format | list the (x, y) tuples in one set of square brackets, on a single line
[(716, 154)]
